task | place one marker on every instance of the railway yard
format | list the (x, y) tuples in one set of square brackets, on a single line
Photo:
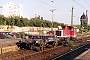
[(41, 37), (48, 53)]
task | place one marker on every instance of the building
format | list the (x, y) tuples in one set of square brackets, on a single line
[(84, 18), (11, 9)]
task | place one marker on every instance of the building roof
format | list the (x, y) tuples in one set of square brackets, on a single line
[(83, 16)]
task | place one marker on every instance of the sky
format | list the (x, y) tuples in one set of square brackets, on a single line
[(62, 14)]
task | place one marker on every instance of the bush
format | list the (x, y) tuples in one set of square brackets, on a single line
[(14, 36), (8, 36), (20, 35), (71, 43)]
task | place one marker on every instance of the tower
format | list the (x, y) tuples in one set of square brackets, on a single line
[(82, 18), (87, 16)]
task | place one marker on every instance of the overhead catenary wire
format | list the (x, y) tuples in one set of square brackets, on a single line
[(82, 6), (67, 8), (61, 4), (52, 6), (64, 6), (87, 3), (79, 4)]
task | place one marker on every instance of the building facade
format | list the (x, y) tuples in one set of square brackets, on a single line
[(11, 9), (84, 18)]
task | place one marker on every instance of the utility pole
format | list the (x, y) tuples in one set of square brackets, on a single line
[(52, 17), (72, 16)]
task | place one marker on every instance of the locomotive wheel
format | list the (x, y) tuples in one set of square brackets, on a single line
[(41, 47), (55, 44), (32, 47), (29, 45)]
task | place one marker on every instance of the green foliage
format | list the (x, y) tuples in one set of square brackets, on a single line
[(9, 37), (1, 16), (12, 21), (22, 22), (0, 20), (84, 26), (20, 35), (55, 24), (41, 18), (8, 21), (71, 43)]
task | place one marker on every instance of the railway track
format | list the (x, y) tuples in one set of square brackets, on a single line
[(47, 54), (11, 55), (32, 55)]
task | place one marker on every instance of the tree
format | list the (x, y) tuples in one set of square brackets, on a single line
[(22, 22), (0, 20), (12, 21), (41, 18), (25, 22), (4, 21), (84, 25), (8, 21), (16, 20)]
